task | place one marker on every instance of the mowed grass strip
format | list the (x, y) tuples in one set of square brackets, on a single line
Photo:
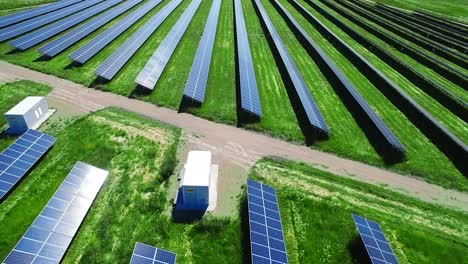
[(316, 209), (441, 170), (8, 4), (132, 206)]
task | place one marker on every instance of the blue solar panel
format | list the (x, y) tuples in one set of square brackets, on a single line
[(109, 68), (26, 26), (34, 12), (250, 101), (383, 130), (143, 253), (49, 31), (63, 42), (311, 110), (198, 77), (49, 236), (20, 157), (149, 75), (374, 240), (87, 51), (266, 232)]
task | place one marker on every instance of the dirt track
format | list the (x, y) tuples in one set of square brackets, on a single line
[(233, 147)]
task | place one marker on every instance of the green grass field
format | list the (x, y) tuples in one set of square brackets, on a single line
[(278, 119), (316, 212)]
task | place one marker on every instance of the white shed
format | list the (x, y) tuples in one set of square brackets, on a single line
[(28, 114), (196, 181)]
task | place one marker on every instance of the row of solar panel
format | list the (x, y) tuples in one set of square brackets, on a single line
[(195, 86), (87, 51), (58, 45), (443, 138), (20, 157), (34, 23), (458, 43), (250, 101), (36, 37), (309, 106), (30, 13), (109, 68), (149, 75), (51, 233), (389, 139)]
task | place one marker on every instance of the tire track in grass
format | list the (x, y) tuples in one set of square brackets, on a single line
[(415, 142), (278, 118)]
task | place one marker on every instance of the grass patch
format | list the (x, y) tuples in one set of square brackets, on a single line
[(8, 4), (316, 209)]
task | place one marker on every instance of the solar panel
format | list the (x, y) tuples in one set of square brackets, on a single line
[(266, 231), (374, 240), (109, 68), (50, 235), (145, 254), (198, 77), (58, 45), (250, 101), (33, 12), (26, 26), (49, 31), (87, 51), (385, 132), (20, 157), (313, 113), (149, 75)]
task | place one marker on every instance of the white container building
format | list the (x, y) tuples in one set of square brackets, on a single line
[(198, 180), (28, 114)]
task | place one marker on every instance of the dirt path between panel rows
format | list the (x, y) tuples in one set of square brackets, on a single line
[(235, 149)]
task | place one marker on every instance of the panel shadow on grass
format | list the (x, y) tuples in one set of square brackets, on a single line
[(358, 251), (245, 230), (187, 103)]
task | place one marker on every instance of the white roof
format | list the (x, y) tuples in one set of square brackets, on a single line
[(24, 106), (197, 169)]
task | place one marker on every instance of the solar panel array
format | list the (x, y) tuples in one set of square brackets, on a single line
[(313, 113), (109, 68), (149, 75), (266, 231), (250, 101), (382, 128), (49, 31), (20, 157), (376, 244), (145, 254), (63, 42), (49, 236), (30, 13), (26, 26), (87, 51), (198, 77)]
